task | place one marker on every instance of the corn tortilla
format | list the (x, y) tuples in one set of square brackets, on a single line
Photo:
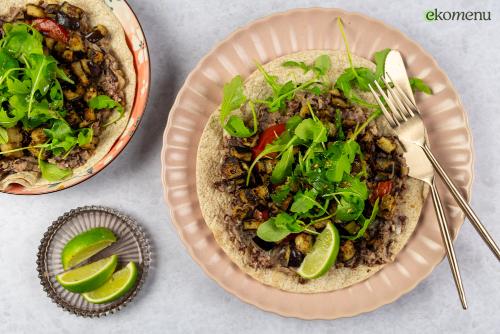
[(214, 204)]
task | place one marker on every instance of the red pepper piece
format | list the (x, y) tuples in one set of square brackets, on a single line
[(51, 29), (267, 137)]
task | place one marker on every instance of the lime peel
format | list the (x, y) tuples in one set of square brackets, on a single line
[(88, 277), (323, 254), (85, 245), (117, 286)]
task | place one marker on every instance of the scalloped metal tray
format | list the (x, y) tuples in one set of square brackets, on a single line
[(132, 245)]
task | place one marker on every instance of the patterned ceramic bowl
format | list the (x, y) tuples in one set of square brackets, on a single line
[(132, 245), (137, 44)]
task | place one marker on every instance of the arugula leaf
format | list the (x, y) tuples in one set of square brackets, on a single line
[(297, 64), (56, 96), (21, 40), (281, 92), (40, 113), (283, 167), (280, 194), (305, 201), (310, 129), (365, 222), (41, 71), (53, 173), (59, 130), (339, 163), (105, 102), (419, 85), (379, 58), (349, 208), (271, 80), (354, 193), (85, 136), (63, 76), (236, 127), (292, 123), (4, 136), (61, 137), (18, 109), (322, 64), (352, 185), (16, 86), (7, 62), (277, 228), (232, 99), (338, 124)]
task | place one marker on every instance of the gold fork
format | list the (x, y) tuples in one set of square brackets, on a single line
[(420, 168), (405, 116)]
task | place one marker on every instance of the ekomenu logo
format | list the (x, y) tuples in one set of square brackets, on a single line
[(437, 15)]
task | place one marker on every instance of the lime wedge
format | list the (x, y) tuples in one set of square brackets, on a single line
[(118, 285), (323, 254), (85, 245), (90, 276)]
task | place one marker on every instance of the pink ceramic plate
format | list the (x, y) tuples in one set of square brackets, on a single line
[(137, 44), (279, 35)]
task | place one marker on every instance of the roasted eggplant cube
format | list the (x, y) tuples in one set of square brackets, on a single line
[(72, 11), (34, 11), (73, 118), (73, 95), (97, 57), (90, 93), (296, 258), (231, 168), (38, 136), (78, 71), (251, 224), (347, 250), (242, 153), (304, 242), (50, 43), (15, 139), (76, 43), (67, 56), (352, 228), (98, 33), (386, 144)]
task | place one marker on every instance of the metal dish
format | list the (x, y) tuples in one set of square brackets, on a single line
[(132, 245)]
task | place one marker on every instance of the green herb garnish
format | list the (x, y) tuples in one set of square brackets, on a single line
[(31, 96)]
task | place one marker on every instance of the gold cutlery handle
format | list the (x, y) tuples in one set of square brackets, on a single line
[(450, 252), (463, 203)]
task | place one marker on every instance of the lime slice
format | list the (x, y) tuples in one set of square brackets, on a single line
[(90, 276), (85, 245), (323, 254), (118, 285)]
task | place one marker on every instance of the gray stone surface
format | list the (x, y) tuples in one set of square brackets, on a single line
[(178, 297)]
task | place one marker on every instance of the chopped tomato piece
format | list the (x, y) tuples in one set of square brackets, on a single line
[(267, 137), (383, 188), (51, 29)]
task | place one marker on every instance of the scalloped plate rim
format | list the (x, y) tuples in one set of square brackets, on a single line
[(187, 83)]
